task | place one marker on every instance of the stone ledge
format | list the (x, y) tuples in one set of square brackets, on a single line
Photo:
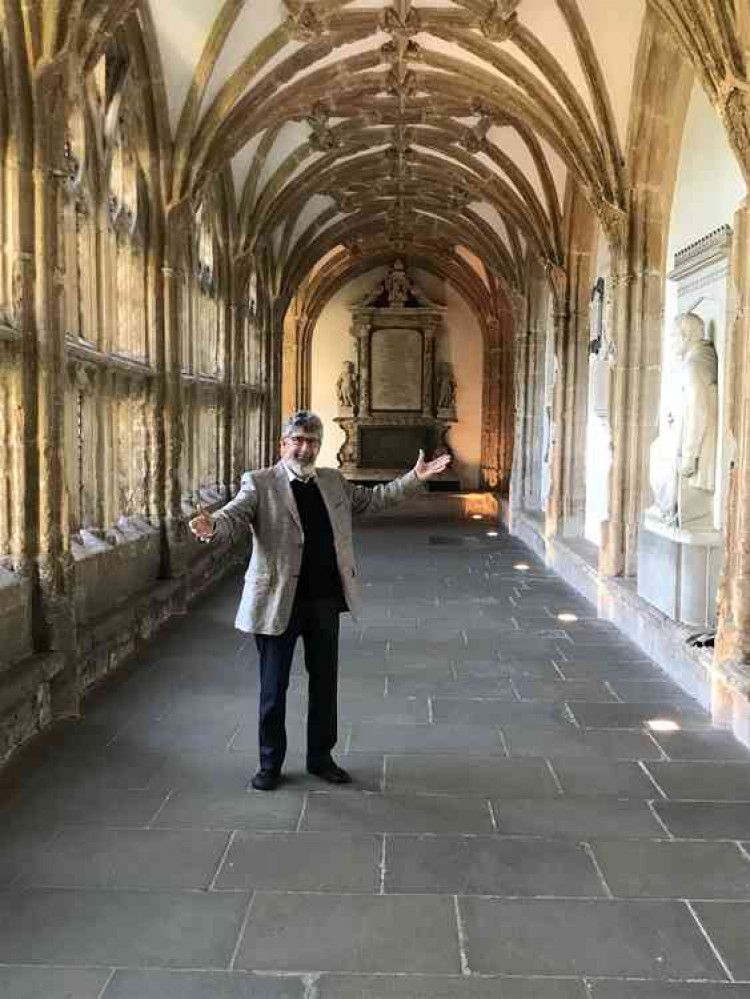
[(15, 617), (26, 700), (723, 689)]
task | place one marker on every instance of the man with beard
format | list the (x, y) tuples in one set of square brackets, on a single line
[(302, 575)]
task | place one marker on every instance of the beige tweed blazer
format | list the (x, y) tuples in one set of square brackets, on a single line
[(265, 505)]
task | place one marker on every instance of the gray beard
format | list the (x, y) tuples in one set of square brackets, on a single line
[(303, 470)]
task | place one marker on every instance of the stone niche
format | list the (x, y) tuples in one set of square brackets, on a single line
[(395, 398), (681, 543)]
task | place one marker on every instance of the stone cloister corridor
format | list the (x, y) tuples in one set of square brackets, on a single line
[(515, 830), (512, 231)]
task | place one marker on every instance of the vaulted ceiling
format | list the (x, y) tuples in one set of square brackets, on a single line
[(443, 129)]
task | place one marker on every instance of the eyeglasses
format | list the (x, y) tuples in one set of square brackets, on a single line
[(299, 440)]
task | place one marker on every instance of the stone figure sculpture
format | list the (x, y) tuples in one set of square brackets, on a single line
[(346, 386), (446, 386), (683, 457), (397, 284)]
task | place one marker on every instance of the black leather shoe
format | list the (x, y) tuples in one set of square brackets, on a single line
[(266, 780), (331, 772)]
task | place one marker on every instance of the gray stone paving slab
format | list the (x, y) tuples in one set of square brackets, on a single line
[(674, 869), (577, 818), (202, 985), (135, 929), (125, 767), (207, 771), (571, 741), (88, 806), (728, 926), (636, 715), (576, 937), (368, 933), (598, 777), (668, 990), (393, 813), (643, 691), (477, 776), (492, 686), (708, 744), (52, 983), (440, 738), (703, 781), (126, 858), (606, 669), (563, 690), (304, 861), (489, 866), (229, 810), (473, 711), (18, 843), (705, 819), (431, 987), (494, 669)]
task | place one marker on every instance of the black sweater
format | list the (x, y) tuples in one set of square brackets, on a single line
[(319, 575)]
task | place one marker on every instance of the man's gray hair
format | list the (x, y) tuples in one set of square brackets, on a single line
[(303, 419)]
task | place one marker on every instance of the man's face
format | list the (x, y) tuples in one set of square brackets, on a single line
[(300, 451)]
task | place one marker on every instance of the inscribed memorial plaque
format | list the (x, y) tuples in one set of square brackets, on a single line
[(396, 369)]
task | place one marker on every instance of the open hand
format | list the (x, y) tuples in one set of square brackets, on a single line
[(426, 470), (202, 526)]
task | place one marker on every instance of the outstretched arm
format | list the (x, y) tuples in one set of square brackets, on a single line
[(235, 517), (367, 501)]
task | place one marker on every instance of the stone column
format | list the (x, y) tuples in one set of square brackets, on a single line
[(363, 333), (554, 511), (635, 321), (174, 433), (733, 639), (428, 373)]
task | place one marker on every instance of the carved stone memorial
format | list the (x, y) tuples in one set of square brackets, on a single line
[(404, 402)]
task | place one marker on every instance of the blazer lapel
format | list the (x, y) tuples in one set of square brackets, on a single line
[(287, 495)]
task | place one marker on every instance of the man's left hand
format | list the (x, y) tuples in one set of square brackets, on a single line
[(426, 470)]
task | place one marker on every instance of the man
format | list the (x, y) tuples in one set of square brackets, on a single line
[(302, 575)]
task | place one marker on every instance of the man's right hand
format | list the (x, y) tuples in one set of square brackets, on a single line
[(202, 526)]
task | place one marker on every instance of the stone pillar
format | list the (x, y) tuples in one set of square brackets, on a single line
[(733, 639), (428, 373), (174, 433), (363, 333), (635, 321), (554, 509)]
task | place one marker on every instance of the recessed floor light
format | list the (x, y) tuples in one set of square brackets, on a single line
[(491, 534), (567, 617), (663, 725), (522, 567)]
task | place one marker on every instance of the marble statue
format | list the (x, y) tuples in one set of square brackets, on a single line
[(346, 386), (446, 386), (683, 457)]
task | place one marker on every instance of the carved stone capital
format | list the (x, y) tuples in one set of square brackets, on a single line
[(614, 222)]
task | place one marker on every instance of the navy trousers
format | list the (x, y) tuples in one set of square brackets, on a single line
[(317, 623)]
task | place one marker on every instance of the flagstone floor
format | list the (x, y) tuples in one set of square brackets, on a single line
[(515, 830)]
